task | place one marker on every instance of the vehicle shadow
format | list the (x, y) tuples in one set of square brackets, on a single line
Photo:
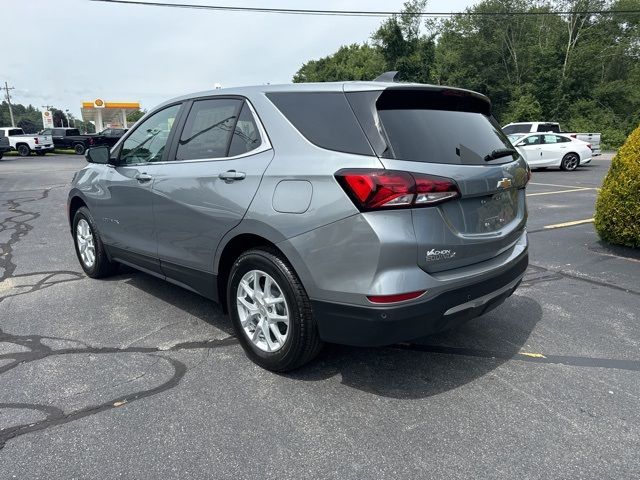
[(419, 369), (191, 303), (434, 364)]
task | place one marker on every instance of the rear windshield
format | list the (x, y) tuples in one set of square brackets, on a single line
[(437, 127)]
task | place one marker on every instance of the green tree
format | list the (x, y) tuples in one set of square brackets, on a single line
[(133, 117), (351, 62)]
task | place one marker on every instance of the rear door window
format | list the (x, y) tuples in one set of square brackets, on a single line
[(549, 139), (208, 129)]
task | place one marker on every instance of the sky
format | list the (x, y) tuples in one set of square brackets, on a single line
[(71, 51)]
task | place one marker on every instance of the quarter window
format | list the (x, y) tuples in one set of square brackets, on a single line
[(147, 142), (208, 129), (245, 135)]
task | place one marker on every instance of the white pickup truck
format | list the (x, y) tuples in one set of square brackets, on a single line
[(27, 143), (592, 139)]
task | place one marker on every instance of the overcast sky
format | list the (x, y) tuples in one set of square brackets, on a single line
[(65, 51)]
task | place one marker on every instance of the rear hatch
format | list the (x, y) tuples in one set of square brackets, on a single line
[(449, 134)]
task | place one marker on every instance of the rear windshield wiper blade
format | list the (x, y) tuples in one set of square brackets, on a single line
[(499, 153)]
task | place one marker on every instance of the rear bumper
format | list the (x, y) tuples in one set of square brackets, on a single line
[(376, 326), (45, 147)]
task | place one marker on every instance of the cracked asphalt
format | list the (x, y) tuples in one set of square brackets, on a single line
[(132, 377)]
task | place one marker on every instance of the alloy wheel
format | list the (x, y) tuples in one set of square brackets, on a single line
[(86, 247), (263, 310)]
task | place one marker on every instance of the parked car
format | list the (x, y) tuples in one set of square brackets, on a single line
[(110, 136), (362, 213), (552, 150), (5, 146), (70, 138), (592, 139), (25, 144)]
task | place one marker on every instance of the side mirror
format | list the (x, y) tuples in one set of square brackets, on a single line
[(98, 155), (519, 144)]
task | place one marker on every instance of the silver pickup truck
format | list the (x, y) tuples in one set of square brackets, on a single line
[(531, 127)]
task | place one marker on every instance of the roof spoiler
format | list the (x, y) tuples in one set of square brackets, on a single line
[(387, 77)]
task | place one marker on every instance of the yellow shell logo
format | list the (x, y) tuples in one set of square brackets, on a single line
[(98, 103), (47, 113)]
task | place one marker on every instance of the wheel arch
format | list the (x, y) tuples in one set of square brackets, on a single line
[(75, 203), (227, 255)]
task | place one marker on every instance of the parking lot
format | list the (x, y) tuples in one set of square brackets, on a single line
[(133, 377)]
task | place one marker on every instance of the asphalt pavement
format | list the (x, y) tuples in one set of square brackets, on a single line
[(132, 377)]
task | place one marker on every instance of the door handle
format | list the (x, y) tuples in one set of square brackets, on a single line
[(143, 177), (231, 176)]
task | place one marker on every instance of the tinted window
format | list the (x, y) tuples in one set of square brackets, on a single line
[(245, 135), (1, 133), (562, 139), (207, 131), (427, 126), (519, 128), (148, 140), (548, 127), (73, 131), (324, 118), (15, 131), (58, 132)]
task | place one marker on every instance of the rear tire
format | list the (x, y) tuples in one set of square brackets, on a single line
[(23, 150), (79, 149), (296, 345), (89, 247), (570, 162)]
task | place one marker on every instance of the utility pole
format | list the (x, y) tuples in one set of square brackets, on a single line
[(6, 89)]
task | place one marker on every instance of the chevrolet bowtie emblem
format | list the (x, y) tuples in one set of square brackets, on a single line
[(504, 183)]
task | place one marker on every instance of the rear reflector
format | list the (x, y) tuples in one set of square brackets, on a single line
[(400, 297), (380, 189)]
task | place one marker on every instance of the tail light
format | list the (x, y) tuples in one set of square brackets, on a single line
[(36, 139), (574, 135), (589, 145), (90, 141), (380, 189)]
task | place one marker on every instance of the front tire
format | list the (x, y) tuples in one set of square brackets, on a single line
[(79, 149), (89, 247), (271, 312), (23, 150), (570, 162)]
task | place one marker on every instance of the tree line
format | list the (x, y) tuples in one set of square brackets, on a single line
[(579, 69)]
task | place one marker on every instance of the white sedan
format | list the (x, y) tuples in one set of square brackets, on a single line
[(552, 150)]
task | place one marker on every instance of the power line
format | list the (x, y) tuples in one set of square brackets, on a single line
[(355, 13)]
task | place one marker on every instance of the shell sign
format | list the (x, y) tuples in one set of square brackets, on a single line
[(47, 119), (98, 103)]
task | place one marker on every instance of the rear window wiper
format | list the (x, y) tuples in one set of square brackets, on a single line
[(499, 153)]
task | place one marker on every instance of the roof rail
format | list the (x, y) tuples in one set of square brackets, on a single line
[(387, 77)]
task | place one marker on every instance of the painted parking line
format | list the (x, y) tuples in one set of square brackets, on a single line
[(581, 189), (568, 224), (555, 185)]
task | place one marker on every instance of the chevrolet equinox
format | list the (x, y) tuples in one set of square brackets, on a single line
[(361, 213)]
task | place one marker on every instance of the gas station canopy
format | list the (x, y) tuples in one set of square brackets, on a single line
[(108, 114)]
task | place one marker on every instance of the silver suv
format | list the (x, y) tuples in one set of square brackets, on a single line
[(362, 213)]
